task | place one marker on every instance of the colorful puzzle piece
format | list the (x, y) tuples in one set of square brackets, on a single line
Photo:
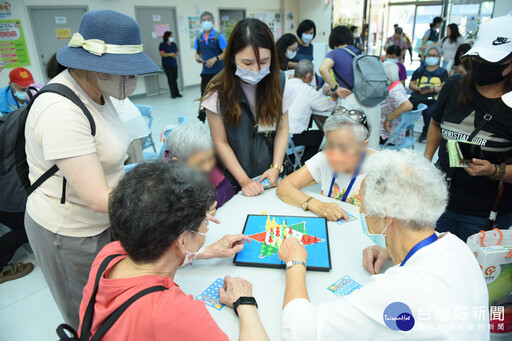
[(211, 295), (344, 286), (350, 218), (275, 234)]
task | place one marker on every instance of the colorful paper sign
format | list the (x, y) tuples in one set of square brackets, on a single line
[(13, 48), (160, 29), (63, 33), (5, 9)]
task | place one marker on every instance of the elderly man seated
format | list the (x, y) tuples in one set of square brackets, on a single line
[(402, 195), (158, 214), (299, 114)]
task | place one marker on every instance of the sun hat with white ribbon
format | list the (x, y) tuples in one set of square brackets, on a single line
[(109, 42)]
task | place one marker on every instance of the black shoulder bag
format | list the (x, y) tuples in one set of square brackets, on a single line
[(85, 331)]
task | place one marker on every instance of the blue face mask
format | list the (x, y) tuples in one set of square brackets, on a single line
[(21, 95), (307, 38), (207, 25), (393, 60), (252, 77), (379, 239), (431, 61), (171, 39)]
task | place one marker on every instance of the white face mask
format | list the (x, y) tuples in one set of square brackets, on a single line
[(117, 86), (252, 77), (356, 35), (207, 25), (290, 54), (191, 256), (171, 39), (306, 38)]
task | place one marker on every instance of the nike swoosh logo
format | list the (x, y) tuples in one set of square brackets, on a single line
[(496, 43)]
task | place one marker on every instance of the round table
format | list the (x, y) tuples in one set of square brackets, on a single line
[(346, 243)]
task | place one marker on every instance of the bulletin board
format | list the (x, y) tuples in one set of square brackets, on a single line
[(13, 48), (272, 19), (194, 29)]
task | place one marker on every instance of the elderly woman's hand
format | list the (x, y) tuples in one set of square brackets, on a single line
[(234, 288), (477, 167), (331, 211), (292, 249), (226, 247), (374, 258)]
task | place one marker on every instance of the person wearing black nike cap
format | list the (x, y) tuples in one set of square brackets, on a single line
[(470, 108)]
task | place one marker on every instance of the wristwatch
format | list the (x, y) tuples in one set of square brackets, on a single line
[(292, 263), (335, 88), (217, 58), (276, 166), (305, 204), (244, 300)]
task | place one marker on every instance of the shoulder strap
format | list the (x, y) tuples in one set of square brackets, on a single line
[(282, 81), (85, 331), (352, 53), (341, 78), (217, 33), (64, 91), (112, 318)]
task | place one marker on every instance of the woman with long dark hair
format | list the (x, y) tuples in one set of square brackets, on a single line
[(459, 65), (287, 47), (470, 108), (450, 43), (247, 108), (169, 52)]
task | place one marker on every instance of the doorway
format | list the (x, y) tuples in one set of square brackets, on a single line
[(153, 22), (228, 20), (52, 28)]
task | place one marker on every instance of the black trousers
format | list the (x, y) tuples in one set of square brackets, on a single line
[(172, 76), (205, 79), (12, 240), (311, 139)]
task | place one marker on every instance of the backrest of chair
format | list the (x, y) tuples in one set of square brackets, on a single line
[(409, 118), (146, 111), (165, 132), (182, 120)]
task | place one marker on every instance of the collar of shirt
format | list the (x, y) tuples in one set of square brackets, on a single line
[(393, 85), (211, 35)]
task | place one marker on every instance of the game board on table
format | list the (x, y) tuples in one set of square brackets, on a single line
[(269, 232)]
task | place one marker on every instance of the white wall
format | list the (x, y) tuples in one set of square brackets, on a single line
[(190, 69), (315, 10), (502, 7)]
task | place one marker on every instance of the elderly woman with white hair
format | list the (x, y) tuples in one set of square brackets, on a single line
[(402, 195), (396, 103), (337, 169), (192, 144)]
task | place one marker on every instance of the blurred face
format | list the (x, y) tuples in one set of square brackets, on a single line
[(375, 224), (343, 151), (207, 18), (246, 59), (311, 31), (391, 56), (293, 47), (203, 160)]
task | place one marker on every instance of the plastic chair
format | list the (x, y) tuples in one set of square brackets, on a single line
[(163, 136), (296, 151), (408, 119), (129, 167), (146, 111)]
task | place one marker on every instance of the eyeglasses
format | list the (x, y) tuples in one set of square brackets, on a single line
[(354, 114)]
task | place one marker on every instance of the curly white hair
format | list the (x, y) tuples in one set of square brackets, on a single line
[(184, 140), (405, 186)]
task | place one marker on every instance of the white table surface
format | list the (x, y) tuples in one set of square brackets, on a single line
[(346, 244)]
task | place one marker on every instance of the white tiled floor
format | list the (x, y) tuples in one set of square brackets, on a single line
[(27, 309)]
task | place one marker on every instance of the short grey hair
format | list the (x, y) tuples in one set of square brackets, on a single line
[(187, 139), (391, 70), (405, 186), (431, 46), (341, 121), (205, 13), (303, 67)]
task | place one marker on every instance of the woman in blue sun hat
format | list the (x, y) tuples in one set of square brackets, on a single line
[(67, 216)]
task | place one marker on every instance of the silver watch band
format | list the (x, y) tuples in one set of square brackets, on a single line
[(292, 263)]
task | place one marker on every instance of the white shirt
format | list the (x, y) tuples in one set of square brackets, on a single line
[(322, 173), (441, 283), (131, 117), (449, 48), (307, 99)]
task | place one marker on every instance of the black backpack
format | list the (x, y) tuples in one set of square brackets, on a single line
[(14, 180), (85, 331)]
